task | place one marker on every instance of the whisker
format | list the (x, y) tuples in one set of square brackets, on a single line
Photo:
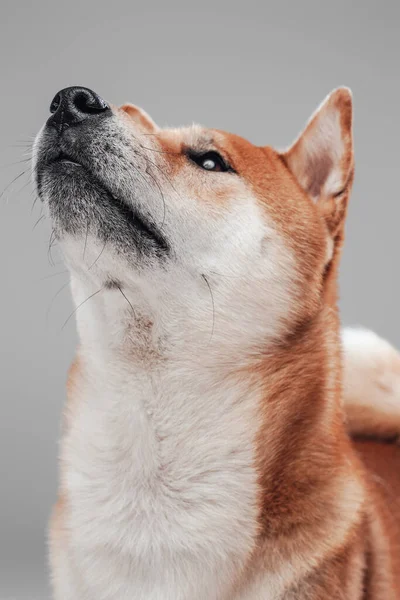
[(161, 193), (52, 240), (24, 151), (164, 175), (81, 304), (37, 222), (213, 305), (12, 182), (53, 275), (158, 168), (92, 265), (17, 162), (224, 275), (128, 301), (157, 184), (140, 174), (53, 300), (22, 188), (36, 198), (86, 239)]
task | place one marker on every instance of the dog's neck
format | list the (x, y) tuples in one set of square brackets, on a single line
[(267, 428), (294, 386)]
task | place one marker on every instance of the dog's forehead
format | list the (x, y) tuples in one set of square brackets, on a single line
[(176, 139)]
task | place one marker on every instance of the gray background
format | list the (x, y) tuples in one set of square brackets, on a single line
[(257, 69)]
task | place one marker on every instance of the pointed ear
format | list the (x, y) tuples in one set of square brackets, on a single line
[(321, 159), (140, 117)]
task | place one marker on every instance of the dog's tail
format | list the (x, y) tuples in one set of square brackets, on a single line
[(371, 385)]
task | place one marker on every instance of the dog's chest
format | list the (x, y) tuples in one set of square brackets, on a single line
[(162, 489)]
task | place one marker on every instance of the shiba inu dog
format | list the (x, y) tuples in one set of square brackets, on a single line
[(205, 451)]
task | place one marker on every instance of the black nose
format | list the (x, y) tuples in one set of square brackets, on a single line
[(75, 104)]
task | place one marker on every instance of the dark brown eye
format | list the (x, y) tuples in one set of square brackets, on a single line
[(210, 161)]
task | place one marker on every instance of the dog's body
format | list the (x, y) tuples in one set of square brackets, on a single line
[(205, 454)]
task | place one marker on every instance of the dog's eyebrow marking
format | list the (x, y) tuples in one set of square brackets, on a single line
[(199, 141), (204, 142)]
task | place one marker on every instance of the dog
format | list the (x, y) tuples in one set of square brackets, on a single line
[(209, 445)]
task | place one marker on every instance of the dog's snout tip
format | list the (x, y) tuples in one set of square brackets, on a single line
[(73, 105)]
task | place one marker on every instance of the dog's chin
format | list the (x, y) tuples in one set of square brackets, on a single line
[(79, 205)]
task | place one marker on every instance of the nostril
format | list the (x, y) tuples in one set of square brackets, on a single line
[(82, 102), (55, 103), (89, 103)]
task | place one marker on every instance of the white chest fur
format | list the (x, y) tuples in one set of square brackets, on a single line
[(162, 489)]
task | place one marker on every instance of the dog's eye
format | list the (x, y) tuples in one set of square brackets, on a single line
[(210, 161)]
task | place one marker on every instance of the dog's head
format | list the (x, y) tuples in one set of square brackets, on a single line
[(194, 226)]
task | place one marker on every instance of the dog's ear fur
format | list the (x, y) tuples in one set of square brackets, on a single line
[(140, 117), (321, 159)]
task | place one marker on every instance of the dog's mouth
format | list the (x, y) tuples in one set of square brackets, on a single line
[(63, 158), (135, 220)]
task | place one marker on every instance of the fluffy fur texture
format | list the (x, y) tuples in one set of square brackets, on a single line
[(204, 453)]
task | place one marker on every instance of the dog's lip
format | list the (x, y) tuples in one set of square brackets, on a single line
[(65, 158)]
